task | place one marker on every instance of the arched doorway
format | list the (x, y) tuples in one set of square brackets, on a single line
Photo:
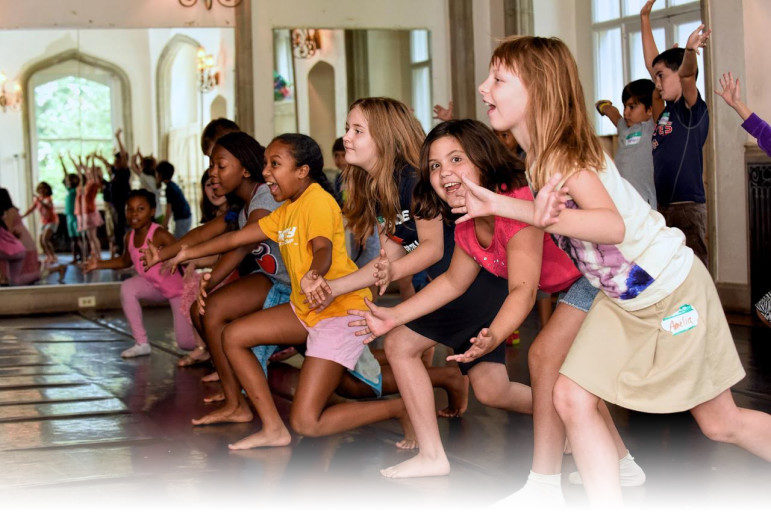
[(321, 107)]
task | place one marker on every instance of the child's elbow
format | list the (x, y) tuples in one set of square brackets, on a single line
[(618, 232)]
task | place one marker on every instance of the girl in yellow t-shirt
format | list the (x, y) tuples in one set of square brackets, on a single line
[(308, 228)]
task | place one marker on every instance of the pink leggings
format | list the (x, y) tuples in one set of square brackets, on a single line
[(138, 288)]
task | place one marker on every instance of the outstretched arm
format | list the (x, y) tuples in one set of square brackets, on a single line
[(196, 236), (689, 66), (649, 44), (606, 108), (526, 250), (439, 292), (124, 261), (732, 95), (248, 235)]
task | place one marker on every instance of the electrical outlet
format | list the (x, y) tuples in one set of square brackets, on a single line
[(86, 301)]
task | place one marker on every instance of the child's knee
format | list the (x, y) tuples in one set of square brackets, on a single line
[(568, 398), (399, 347), (718, 429), (486, 393), (303, 423)]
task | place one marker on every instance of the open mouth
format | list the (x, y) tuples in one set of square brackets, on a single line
[(452, 187), (273, 187)]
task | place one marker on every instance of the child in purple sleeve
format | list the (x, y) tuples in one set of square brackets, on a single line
[(761, 131), (753, 124)]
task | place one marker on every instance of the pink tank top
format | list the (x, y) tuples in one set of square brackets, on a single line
[(170, 286)]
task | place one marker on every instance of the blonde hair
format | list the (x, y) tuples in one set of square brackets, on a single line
[(562, 138), (397, 135)]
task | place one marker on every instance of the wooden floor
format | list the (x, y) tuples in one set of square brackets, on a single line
[(80, 424)]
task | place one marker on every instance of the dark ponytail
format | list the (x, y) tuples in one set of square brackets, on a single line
[(306, 151)]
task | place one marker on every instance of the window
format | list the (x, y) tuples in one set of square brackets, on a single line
[(618, 56), (420, 62), (75, 110)]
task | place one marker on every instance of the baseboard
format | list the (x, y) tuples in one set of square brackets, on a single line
[(20, 301), (734, 297)]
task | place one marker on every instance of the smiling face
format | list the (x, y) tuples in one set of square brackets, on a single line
[(448, 164), (636, 112), (211, 195), (226, 172), (138, 212), (285, 179), (360, 148), (667, 82), (506, 98)]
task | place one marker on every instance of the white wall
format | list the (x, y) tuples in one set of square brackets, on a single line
[(349, 14), (15, 14), (488, 21)]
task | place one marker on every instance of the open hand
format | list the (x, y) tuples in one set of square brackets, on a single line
[(481, 345), (731, 92), (698, 39), (202, 294), (476, 202), (443, 113), (549, 202), (315, 288), (376, 321), (382, 273), (170, 266), (149, 256)]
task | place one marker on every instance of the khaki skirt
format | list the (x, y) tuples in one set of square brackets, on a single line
[(669, 357)]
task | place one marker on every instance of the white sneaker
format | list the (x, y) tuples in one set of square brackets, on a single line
[(630, 474), (533, 494), (137, 350)]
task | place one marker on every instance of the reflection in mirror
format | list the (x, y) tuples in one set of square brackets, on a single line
[(319, 73), (159, 87)]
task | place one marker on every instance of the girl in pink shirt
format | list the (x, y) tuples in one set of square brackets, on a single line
[(466, 148)]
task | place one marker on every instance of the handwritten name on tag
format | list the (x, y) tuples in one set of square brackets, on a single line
[(683, 320)]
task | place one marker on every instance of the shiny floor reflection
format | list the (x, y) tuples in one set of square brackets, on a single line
[(77, 421)]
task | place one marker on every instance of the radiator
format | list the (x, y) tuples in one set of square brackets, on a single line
[(760, 228)]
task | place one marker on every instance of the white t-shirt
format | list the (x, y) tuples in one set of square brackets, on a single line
[(651, 261)]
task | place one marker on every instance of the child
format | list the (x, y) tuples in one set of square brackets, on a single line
[(338, 153), (680, 135), (656, 300), (761, 131), (18, 254), (144, 168), (71, 182), (148, 284), (634, 158), (237, 160), (309, 230), (465, 148), (49, 220), (91, 216), (176, 203)]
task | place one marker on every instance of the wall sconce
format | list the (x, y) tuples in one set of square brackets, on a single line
[(208, 76), (305, 42), (9, 99), (208, 3)]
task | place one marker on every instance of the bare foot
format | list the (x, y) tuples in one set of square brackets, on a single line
[(214, 398), (409, 442), (211, 377), (283, 355), (419, 466), (457, 396), (226, 414), (197, 356), (277, 437)]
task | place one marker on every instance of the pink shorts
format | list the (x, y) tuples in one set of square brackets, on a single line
[(332, 339)]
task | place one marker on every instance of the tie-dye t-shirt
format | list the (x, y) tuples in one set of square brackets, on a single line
[(651, 261)]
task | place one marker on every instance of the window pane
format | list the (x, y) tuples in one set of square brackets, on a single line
[(418, 45), (421, 96), (609, 74), (637, 69), (603, 10), (632, 7), (682, 31), (681, 2)]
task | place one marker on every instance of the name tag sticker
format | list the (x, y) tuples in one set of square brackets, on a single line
[(633, 138), (683, 320)]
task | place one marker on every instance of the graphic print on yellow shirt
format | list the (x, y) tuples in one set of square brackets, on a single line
[(293, 226)]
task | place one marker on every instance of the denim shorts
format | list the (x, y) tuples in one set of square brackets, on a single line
[(580, 295)]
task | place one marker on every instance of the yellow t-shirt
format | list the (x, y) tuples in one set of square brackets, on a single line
[(292, 226)]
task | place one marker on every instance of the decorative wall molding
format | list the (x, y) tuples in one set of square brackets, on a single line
[(209, 3)]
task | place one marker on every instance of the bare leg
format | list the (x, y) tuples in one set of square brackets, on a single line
[(544, 310), (404, 348), (277, 325), (224, 305), (593, 448), (721, 420), (492, 387)]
